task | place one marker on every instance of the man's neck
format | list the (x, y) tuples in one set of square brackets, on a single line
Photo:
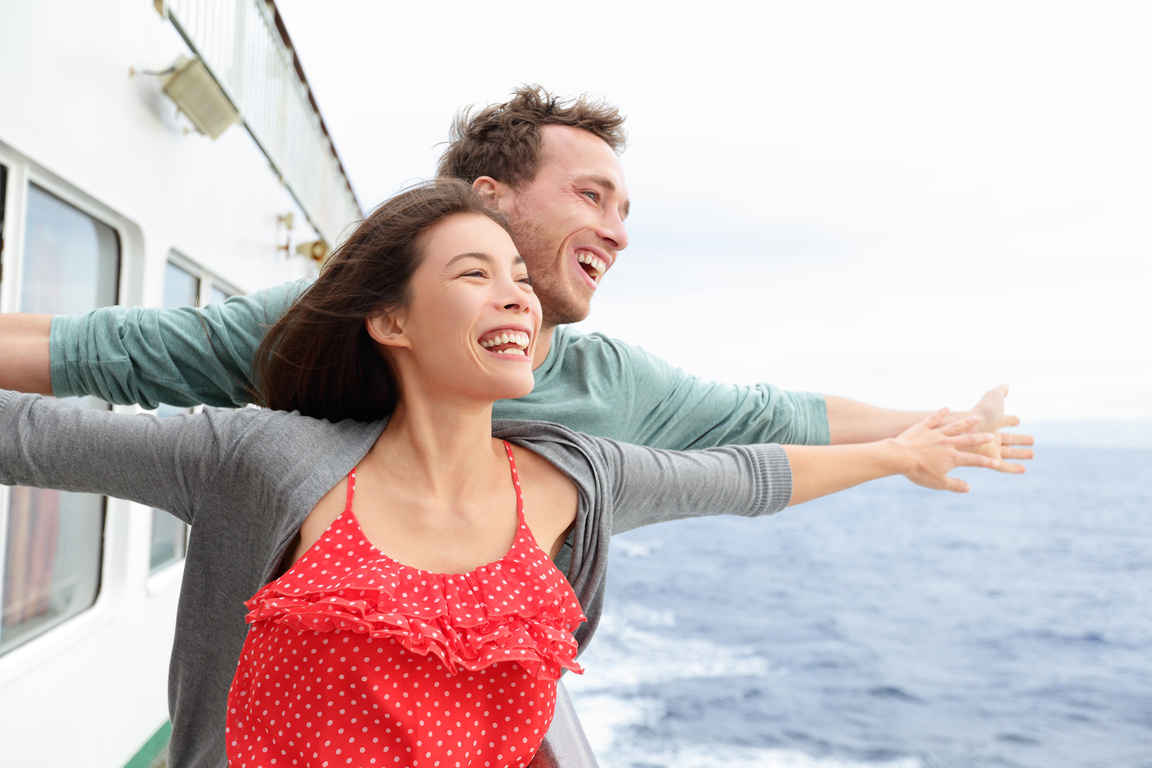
[(543, 346)]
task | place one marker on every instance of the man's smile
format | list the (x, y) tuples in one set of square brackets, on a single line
[(592, 264)]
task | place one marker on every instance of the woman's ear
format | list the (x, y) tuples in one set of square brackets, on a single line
[(492, 192), (387, 328)]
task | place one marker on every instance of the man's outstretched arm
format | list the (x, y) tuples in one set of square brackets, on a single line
[(126, 355), (24, 362), (850, 421)]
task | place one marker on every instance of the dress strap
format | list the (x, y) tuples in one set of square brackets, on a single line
[(515, 480), (351, 489)]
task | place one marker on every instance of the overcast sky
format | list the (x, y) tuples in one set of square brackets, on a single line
[(901, 202)]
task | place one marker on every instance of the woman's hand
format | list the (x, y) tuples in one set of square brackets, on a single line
[(928, 451), (924, 453)]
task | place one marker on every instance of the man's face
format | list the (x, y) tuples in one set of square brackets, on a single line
[(568, 222)]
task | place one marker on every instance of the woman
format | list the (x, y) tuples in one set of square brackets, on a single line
[(415, 584)]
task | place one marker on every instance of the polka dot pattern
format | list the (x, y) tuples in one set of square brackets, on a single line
[(354, 659)]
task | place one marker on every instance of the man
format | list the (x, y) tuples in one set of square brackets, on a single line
[(551, 167)]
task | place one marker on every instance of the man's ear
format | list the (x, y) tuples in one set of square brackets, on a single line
[(496, 194), (387, 328)]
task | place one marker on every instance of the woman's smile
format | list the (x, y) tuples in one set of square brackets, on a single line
[(512, 341)]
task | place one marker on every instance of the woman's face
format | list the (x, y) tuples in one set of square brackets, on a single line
[(470, 326)]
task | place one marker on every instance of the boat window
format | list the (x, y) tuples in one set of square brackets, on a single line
[(54, 540), (3, 194), (216, 295), (181, 287), (169, 534)]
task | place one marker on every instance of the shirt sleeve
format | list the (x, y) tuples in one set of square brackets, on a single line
[(602, 386), (650, 485), (183, 356), (159, 462), (686, 412)]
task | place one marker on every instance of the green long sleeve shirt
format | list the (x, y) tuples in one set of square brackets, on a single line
[(590, 382)]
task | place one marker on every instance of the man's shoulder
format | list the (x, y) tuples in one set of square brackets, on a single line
[(571, 343)]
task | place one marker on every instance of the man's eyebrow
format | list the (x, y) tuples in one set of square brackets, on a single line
[(609, 185)]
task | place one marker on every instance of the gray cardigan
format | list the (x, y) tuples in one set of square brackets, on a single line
[(245, 480)]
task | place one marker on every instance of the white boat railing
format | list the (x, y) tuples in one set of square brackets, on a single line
[(242, 44)]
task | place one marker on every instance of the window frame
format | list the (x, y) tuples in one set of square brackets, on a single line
[(115, 540)]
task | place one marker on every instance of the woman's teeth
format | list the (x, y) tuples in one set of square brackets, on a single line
[(517, 340)]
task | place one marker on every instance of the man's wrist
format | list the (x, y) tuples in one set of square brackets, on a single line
[(24, 347)]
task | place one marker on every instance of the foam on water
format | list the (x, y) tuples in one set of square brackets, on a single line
[(638, 549), (627, 654), (701, 756)]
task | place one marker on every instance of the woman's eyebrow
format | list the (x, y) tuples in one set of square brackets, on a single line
[(470, 255), (487, 259)]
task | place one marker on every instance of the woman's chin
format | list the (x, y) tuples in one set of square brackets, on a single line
[(519, 391), (515, 387)]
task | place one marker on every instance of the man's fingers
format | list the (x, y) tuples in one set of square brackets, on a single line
[(1010, 468), (1009, 421), (1010, 438), (1016, 453)]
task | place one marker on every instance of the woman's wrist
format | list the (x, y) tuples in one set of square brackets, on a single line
[(893, 457)]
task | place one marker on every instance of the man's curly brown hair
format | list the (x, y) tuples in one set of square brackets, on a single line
[(503, 140)]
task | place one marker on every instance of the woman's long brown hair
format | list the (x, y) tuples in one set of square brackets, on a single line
[(318, 359)]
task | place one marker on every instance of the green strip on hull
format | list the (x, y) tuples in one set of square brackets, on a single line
[(152, 748)]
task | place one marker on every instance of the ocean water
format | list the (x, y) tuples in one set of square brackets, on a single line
[(889, 626)]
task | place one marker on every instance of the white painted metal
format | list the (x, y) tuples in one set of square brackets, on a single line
[(91, 691), (239, 43)]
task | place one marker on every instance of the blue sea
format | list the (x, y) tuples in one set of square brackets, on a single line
[(889, 626)]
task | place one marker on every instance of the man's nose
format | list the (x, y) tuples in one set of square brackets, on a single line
[(613, 231)]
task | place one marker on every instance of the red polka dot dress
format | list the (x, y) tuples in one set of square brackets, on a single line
[(354, 659)]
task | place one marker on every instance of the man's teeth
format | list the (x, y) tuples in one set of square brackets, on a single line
[(597, 264), (516, 338)]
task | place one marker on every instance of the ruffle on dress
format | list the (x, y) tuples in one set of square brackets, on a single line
[(517, 610)]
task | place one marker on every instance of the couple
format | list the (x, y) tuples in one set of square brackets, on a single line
[(422, 320)]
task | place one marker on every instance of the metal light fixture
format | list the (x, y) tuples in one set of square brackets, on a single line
[(199, 96), (313, 249)]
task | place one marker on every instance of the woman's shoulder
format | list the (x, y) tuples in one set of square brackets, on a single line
[(583, 458), (544, 437), (274, 430)]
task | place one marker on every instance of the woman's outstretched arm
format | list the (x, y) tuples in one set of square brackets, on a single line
[(924, 453), (160, 462)]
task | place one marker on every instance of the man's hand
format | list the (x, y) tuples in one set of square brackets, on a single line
[(989, 411)]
